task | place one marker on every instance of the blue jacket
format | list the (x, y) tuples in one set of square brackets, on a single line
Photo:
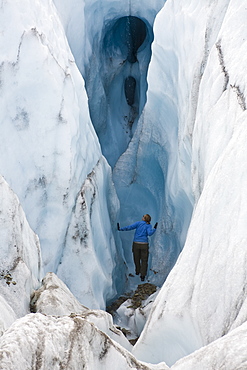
[(143, 231)]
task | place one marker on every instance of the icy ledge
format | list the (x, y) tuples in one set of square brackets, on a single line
[(48, 342), (54, 298), (81, 340)]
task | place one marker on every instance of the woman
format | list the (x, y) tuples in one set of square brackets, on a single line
[(140, 243)]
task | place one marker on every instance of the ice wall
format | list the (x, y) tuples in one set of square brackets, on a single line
[(204, 297), (92, 264), (20, 262), (43, 108), (49, 146)]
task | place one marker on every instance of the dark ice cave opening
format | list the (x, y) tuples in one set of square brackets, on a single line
[(130, 33), (129, 89), (116, 82)]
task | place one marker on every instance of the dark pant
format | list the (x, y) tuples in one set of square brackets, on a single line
[(140, 254)]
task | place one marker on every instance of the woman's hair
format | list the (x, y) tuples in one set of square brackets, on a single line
[(147, 218)]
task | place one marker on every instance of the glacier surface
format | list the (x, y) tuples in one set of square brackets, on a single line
[(74, 85)]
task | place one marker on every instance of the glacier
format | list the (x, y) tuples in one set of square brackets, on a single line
[(100, 127)]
